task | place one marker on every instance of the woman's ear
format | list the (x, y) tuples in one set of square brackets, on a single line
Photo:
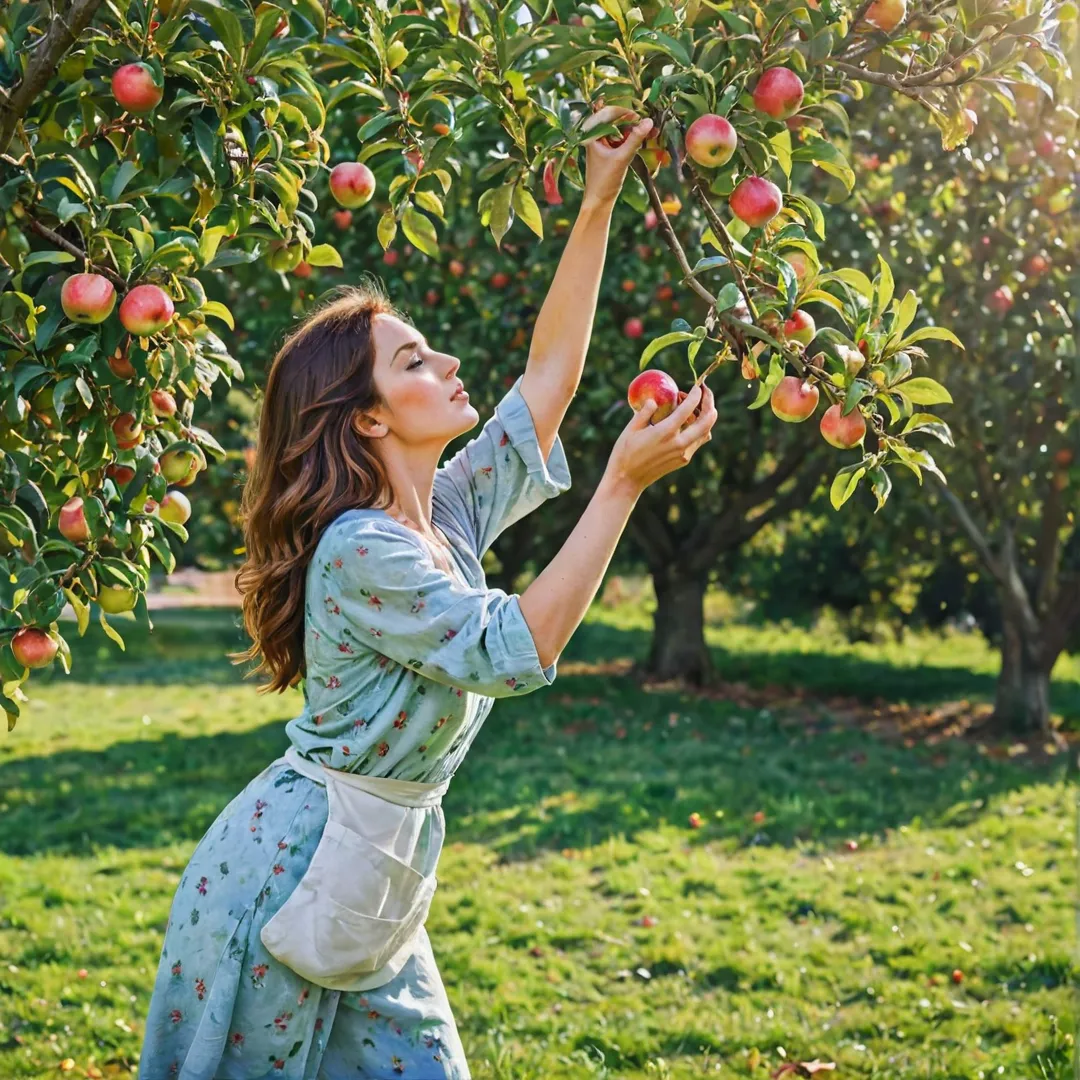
[(365, 425)]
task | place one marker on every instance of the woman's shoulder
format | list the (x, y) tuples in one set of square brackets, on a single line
[(359, 533)]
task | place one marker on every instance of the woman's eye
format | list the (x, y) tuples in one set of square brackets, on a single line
[(416, 362)]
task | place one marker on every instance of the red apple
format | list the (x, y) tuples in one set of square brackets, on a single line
[(175, 507), (431, 297), (441, 128), (1045, 145), (756, 201), (120, 365), (633, 327), (302, 269), (87, 298), (162, 403), (551, 185), (779, 93), (793, 399), (843, 432), (711, 140), (664, 292), (72, 521), (802, 266), (957, 976), (456, 268), (128, 430), (499, 280), (33, 648), (122, 474), (628, 285), (352, 183), (1036, 265), (342, 218), (1000, 300), (114, 599), (651, 220), (800, 327), (189, 477), (653, 385), (696, 820), (390, 257), (886, 15), (176, 465), (134, 88), (146, 310)]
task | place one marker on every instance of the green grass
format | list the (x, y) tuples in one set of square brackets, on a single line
[(567, 825)]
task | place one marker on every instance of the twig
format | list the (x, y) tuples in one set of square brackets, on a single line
[(64, 30), (721, 233), (66, 245)]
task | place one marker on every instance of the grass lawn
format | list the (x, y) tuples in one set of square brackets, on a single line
[(583, 928)]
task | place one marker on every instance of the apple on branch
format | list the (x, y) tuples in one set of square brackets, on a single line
[(87, 298), (352, 183), (135, 89), (794, 399), (33, 648)]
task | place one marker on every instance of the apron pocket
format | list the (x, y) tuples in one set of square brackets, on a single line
[(353, 910)]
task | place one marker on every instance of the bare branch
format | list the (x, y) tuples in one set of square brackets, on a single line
[(63, 31), (975, 535), (57, 240)]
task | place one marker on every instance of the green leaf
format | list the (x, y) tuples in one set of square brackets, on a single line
[(498, 212), (659, 343), (325, 255), (883, 293), (82, 611), (428, 200), (528, 211), (219, 311), (727, 297), (387, 229), (923, 391), (225, 24), (110, 632), (933, 333), (36, 257), (769, 383), (880, 484), (905, 313), (856, 392), (855, 278), (929, 424), (781, 144), (844, 484), (421, 231)]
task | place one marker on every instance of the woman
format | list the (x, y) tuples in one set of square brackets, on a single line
[(295, 945)]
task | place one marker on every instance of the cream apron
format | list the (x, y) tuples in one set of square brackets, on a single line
[(350, 922)]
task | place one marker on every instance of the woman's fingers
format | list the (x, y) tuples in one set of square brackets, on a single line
[(608, 114), (683, 411)]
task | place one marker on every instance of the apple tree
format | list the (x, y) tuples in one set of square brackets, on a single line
[(994, 242), (147, 148)]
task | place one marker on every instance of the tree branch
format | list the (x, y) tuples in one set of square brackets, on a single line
[(64, 30), (66, 245)]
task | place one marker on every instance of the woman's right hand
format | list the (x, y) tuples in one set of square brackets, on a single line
[(645, 452)]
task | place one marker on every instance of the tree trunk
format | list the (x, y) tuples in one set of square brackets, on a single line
[(1022, 698), (678, 648)]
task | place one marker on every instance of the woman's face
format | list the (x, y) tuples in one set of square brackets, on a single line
[(418, 387)]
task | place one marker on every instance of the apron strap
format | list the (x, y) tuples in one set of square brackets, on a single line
[(399, 792)]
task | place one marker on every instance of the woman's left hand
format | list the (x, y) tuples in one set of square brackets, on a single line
[(605, 166)]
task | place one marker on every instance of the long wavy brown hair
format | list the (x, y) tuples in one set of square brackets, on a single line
[(310, 465)]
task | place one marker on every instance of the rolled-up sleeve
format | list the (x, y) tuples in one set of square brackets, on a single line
[(501, 475), (385, 592)]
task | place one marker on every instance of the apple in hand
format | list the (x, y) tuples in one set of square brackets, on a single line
[(87, 298), (654, 385), (711, 140), (793, 399), (33, 648), (352, 183), (840, 431)]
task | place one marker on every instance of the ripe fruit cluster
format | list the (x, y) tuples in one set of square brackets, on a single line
[(90, 299)]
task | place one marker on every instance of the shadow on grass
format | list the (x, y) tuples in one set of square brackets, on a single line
[(591, 759)]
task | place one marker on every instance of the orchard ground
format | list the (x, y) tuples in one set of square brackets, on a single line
[(865, 887)]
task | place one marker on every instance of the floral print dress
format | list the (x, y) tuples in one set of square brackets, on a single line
[(404, 661)]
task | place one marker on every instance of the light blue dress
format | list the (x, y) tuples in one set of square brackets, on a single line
[(404, 662)]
